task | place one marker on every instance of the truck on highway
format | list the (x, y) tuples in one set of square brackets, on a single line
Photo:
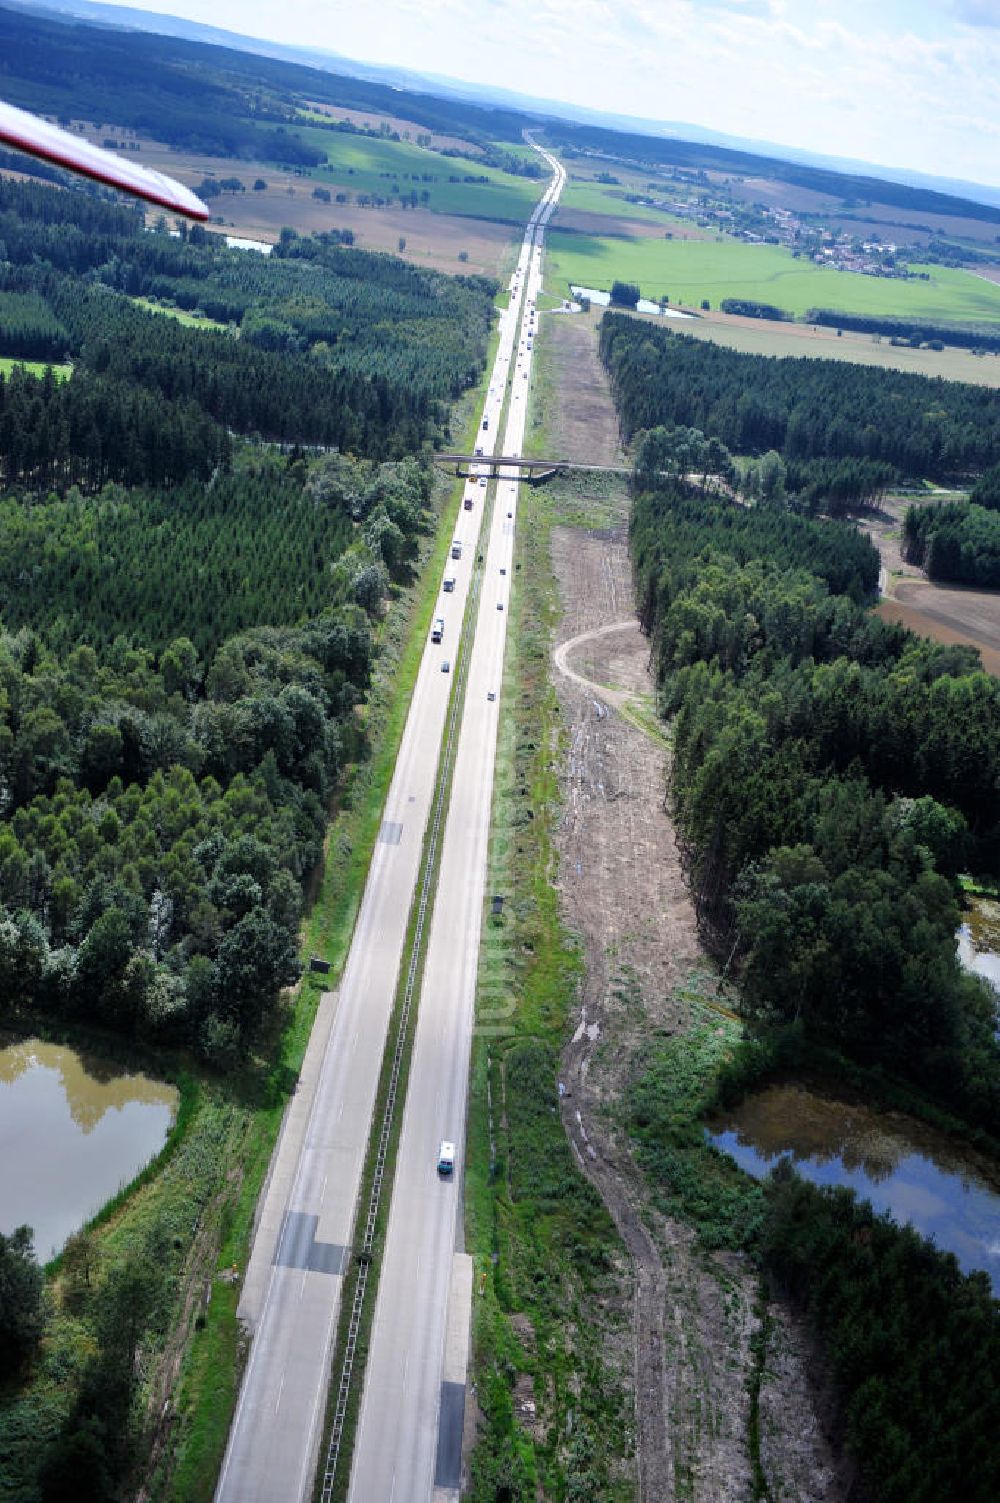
[(456, 549), (446, 1157), (437, 630), (486, 423)]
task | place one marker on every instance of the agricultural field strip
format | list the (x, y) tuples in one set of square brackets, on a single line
[(689, 270), (372, 165), (412, 1381), (292, 1290)]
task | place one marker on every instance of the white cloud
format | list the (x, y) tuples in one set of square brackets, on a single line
[(878, 82), (978, 12)]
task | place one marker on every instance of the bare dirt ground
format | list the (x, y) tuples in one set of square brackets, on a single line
[(432, 240), (623, 893), (946, 613), (571, 410)]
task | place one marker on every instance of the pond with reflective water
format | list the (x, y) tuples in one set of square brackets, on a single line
[(73, 1130), (902, 1166)]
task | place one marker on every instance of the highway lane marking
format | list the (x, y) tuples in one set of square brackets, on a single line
[(281, 1389), (524, 271)]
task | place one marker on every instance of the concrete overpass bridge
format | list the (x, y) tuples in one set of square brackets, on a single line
[(518, 466)]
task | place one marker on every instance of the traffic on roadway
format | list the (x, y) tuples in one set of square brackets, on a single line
[(409, 1438), (292, 1290)]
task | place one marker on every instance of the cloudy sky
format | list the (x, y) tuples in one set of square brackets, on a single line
[(905, 83)]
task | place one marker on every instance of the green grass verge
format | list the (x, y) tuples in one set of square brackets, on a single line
[(430, 862), (212, 1372), (34, 367), (677, 1082), (189, 320), (689, 270), (206, 1394), (544, 1246)]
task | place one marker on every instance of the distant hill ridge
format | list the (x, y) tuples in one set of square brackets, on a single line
[(194, 85)]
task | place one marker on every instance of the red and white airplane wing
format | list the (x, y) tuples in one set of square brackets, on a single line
[(40, 139)]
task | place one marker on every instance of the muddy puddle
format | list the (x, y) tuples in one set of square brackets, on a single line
[(897, 1163), (73, 1130)]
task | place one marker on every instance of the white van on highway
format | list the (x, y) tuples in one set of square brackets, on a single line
[(446, 1157)]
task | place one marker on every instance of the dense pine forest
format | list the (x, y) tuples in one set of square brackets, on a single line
[(831, 774), (189, 617), (958, 541), (335, 347), (913, 1345), (165, 790), (188, 620), (807, 411)]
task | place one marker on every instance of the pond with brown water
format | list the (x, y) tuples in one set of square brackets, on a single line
[(73, 1130), (902, 1166)]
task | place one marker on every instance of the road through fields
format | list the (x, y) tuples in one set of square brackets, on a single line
[(408, 1446), (293, 1285)]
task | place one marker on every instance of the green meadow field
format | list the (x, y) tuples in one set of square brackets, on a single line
[(189, 320), (36, 367), (689, 270), (603, 198), (372, 164)]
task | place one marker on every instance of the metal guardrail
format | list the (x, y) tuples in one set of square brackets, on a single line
[(366, 1252)]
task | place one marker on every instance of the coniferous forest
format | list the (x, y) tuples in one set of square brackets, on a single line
[(335, 347), (188, 610), (808, 411), (830, 775), (958, 541)]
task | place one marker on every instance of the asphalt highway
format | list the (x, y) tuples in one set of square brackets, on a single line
[(293, 1284), (408, 1446)]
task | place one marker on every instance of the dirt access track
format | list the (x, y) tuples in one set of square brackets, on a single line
[(623, 894)]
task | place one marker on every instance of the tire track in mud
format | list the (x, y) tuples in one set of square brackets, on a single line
[(593, 1149)]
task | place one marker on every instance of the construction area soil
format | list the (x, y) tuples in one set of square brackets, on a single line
[(571, 409), (623, 893), (945, 613)]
